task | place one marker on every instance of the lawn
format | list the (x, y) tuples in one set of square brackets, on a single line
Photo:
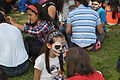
[(103, 60)]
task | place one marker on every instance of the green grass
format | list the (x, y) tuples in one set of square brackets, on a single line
[(103, 60)]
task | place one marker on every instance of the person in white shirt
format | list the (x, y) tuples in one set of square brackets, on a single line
[(13, 56), (49, 65)]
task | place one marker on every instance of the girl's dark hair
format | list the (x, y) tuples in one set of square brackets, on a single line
[(42, 14), (78, 61), (2, 18), (96, 1), (45, 50), (2, 9), (58, 3), (84, 2), (3, 75), (114, 7)]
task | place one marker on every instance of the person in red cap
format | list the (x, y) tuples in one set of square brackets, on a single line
[(38, 26)]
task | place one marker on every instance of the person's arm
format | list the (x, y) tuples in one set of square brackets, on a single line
[(102, 24), (103, 18), (68, 28), (100, 29), (37, 74), (40, 29), (19, 26), (52, 11)]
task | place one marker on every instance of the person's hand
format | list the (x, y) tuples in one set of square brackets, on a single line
[(11, 19), (65, 51)]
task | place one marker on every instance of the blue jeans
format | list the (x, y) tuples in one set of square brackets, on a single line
[(22, 6), (34, 1), (15, 71)]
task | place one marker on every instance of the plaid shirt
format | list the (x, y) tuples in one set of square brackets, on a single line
[(39, 31)]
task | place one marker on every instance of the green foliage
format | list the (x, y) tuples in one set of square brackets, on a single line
[(103, 60)]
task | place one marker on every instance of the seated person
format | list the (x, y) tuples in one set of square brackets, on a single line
[(112, 12), (79, 66), (83, 27), (13, 56), (102, 14)]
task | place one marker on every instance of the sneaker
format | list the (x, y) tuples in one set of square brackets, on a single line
[(97, 46), (22, 13)]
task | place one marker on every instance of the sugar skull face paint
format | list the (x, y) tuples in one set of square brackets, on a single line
[(95, 5), (58, 47)]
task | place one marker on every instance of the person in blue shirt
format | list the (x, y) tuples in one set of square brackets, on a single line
[(96, 5)]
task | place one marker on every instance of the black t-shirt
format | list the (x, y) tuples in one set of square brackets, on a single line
[(46, 6)]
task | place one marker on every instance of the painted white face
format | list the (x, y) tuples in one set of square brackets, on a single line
[(58, 47), (95, 5)]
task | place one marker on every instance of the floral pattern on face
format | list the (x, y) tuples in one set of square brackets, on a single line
[(58, 47)]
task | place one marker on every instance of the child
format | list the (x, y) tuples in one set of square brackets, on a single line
[(102, 14), (112, 12), (79, 66), (49, 64), (3, 75)]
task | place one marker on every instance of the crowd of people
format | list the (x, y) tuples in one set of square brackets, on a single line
[(61, 32)]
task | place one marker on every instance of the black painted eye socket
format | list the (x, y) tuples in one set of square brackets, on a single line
[(63, 46), (94, 4), (57, 47)]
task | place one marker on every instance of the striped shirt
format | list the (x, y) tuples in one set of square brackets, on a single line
[(39, 31), (84, 22)]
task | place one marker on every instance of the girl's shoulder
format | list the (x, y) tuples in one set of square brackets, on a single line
[(39, 62), (40, 58)]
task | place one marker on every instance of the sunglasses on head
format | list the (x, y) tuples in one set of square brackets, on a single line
[(59, 46)]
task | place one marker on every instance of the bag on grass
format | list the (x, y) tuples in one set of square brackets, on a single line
[(33, 46)]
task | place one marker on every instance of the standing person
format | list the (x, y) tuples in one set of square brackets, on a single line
[(13, 56), (79, 66), (82, 23), (38, 26), (112, 12), (49, 64), (102, 14)]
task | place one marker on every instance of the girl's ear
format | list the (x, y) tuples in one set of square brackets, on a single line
[(48, 45)]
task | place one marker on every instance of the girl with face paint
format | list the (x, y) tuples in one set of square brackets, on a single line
[(49, 65)]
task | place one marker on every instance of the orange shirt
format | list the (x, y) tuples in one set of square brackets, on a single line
[(109, 18)]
